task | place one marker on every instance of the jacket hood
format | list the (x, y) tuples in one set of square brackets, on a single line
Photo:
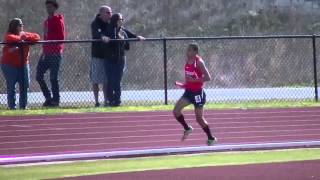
[(97, 19)]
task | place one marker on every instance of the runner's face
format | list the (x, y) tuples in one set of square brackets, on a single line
[(190, 52), (51, 9)]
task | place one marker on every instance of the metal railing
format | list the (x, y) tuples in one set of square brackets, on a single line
[(250, 68)]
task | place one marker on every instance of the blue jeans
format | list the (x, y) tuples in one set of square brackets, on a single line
[(13, 76), (51, 63), (114, 71)]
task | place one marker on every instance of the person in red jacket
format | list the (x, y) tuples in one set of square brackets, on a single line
[(15, 60), (51, 58)]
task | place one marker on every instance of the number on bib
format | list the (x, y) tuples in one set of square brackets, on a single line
[(197, 99)]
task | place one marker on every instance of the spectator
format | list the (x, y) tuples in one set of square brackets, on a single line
[(97, 70), (14, 68), (52, 54), (115, 56)]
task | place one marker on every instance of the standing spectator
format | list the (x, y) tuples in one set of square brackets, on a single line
[(14, 68), (52, 54), (97, 70), (116, 58)]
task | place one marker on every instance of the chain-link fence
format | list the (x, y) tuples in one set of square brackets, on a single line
[(252, 69), (277, 68)]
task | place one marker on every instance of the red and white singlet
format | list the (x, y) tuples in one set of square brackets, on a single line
[(193, 71)]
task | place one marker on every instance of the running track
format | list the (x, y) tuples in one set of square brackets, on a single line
[(107, 132), (304, 170)]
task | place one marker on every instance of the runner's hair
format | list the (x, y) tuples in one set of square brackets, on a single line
[(194, 46)]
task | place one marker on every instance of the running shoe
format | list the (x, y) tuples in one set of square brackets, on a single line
[(186, 133), (212, 142)]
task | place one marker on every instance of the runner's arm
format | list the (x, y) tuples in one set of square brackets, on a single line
[(206, 75)]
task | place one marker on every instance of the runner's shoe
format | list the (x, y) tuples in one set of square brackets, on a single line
[(186, 133), (212, 142)]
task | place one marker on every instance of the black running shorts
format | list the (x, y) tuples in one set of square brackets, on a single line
[(198, 99)]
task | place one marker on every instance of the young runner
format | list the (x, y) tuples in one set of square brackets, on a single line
[(196, 74)]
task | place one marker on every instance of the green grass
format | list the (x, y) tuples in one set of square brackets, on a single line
[(243, 105), (156, 163)]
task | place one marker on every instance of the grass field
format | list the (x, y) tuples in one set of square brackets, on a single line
[(243, 105), (71, 169)]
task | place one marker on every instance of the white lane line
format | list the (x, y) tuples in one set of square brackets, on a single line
[(145, 131), (155, 126), (153, 136), (18, 126), (105, 116), (153, 147), (163, 150), (159, 141), (306, 118), (143, 148)]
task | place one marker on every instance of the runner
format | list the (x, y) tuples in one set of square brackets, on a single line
[(196, 74)]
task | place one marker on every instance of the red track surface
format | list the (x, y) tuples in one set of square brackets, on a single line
[(78, 133), (308, 170)]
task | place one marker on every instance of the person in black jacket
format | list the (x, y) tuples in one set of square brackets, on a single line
[(97, 71), (115, 57)]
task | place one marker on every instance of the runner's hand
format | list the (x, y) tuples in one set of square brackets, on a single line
[(180, 84)]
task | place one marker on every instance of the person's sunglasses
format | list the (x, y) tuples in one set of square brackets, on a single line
[(109, 12)]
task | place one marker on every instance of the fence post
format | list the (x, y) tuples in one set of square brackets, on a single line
[(165, 71), (315, 71)]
